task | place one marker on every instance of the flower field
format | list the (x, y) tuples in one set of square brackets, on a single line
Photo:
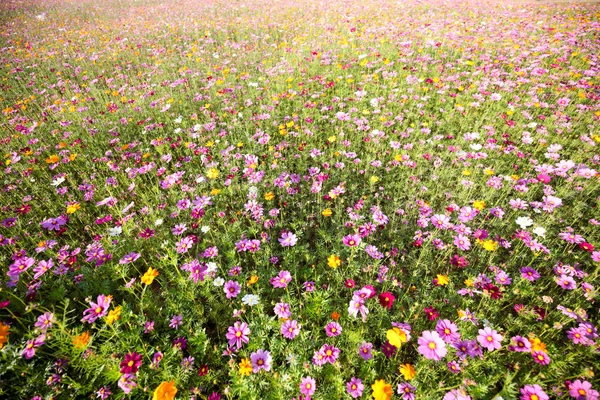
[(298, 199)]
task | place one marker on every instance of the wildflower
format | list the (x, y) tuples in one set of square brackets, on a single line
[(453, 367), (365, 351), (127, 383), (537, 345), (479, 205), (533, 392), (4, 334), (73, 207), (103, 393), (44, 321), (114, 315), (253, 279), (32, 344), (176, 321), (327, 212), (382, 390), (582, 390), (407, 371), (282, 310), (396, 337), (212, 173), (334, 261), (131, 363), (288, 239), (447, 330), (129, 258), (489, 339), (386, 299), (355, 387), (351, 240), (238, 334), (97, 310), (250, 300), (432, 313), (165, 391), (156, 359), (431, 346), (541, 357), (232, 289), (308, 386), (388, 349), (149, 276), (521, 344), (261, 359), (333, 329), (530, 274), (441, 280), (406, 390), (81, 341), (290, 329), (245, 366), (281, 280)]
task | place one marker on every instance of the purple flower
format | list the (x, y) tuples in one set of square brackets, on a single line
[(365, 351), (44, 321), (388, 349), (129, 258), (533, 392), (42, 267), (288, 239), (290, 329), (308, 386), (333, 329), (103, 393), (447, 330), (176, 321), (462, 242), (97, 310), (127, 382), (566, 282), (351, 240), (530, 274), (261, 359), (54, 224), (238, 334), (355, 387), (232, 289), (406, 390), (453, 367), (32, 344), (281, 280), (329, 353), (521, 344), (489, 339), (431, 346)]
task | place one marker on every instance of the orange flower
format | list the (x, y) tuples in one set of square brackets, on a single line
[(382, 390), (149, 276), (165, 391), (53, 159), (3, 334), (81, 341), (335, 315)]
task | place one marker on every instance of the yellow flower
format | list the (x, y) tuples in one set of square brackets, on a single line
[(466, 172), (488, 171), (537, 345), (469, 282), (442, 280), (149, 276), (212, 173), (81, 341), (3, 334), (332, 139), (269, 196), (396, 337), (53, 159), (407, 371), (71, 208), (490, 245), (334, 261), (374, 179), (382, 390), (114, 315), (327, 212), (245, 366), (215, 192), (253, 279), (479, 205), (165, 391)]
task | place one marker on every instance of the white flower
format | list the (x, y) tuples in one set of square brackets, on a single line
[(250, 299), (178, 119), (211, 267), (116, 231), (158, 222), (58, 181), (205, 229), (524, 222), (476, 147), (540, 231), (219, 281)]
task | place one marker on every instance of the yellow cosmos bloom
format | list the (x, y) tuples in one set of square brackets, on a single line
[(253, 279), (396, 337), (212, 173), (382, 390), (334, 261), (53, 159), (71, 208), (82, 340), (407, 371), (327, 212), (245, 366), (269, 196), (149, 276), (479, 204), (114, 315), (3, 334), (165, 391), (442, 280)]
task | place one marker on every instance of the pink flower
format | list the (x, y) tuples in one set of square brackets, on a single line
[(238, 334), (281, 280), (97, 310), (490, 339), (582, 390), (308, 386), (351, 240), (431, 346)]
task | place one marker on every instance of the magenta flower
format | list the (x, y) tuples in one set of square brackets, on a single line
[(127, 382), (355, 387), (131, 363), (261, 359), (566, 282), (308, 386), (238, 334), (44, 321), (129, 258), (462, 242), (582, 390), (351, 240), (281, 280), (330, 353), (290, 329), (97, 310), (533, 392), (490, 339), (282, 310), (521, 344), (431, 346), (232, 289), (530, 274), (32, 344), (406, 391), (365, 351), (541, 357), (447, 330), (333, 329)]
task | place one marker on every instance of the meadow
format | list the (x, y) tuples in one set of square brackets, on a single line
[(283, 199)]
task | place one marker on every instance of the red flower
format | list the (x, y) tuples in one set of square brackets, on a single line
[(586, 246), (203, 370), (386, 299), (431, 313), (131, 364)]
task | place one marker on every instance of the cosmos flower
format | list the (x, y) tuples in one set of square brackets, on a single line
[(431, 346)]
